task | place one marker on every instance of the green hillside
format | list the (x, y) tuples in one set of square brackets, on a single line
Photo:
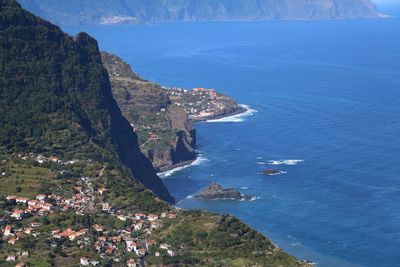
[(56, 98), (74, 187)]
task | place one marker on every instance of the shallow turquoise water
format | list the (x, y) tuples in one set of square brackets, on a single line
[(326, 92)]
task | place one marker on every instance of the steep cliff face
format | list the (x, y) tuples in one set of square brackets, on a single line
[(76, 12), (56, 98), (166, 136)]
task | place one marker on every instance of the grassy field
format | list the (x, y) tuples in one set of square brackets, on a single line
[(23, 179)]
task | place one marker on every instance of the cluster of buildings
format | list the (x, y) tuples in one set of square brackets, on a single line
[(29, 207), (44, 159), (11, 235), (19, 257), (200, 103), (107, 243), (115, 20)]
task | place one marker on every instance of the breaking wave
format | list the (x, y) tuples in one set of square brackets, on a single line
[(199, 160), (237, 117), (285, 162)]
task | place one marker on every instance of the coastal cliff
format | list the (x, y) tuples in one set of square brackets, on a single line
[(165, 134), (72, 177), (163, 117), (77, 12), (56, 98)]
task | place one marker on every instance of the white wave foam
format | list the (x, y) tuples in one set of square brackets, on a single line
[(261, 163), (278, 173), (237, 117), (285, 162), (244, 188), (199, 160), (254, 198)]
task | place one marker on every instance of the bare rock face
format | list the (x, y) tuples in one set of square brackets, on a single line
[(165, 133), (215, 191)]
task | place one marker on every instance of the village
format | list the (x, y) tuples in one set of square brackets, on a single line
[(108, 243), (203, 104)]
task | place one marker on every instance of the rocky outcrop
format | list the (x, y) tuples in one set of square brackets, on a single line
[(270, 172), (78, 12), (166, 136), (215, 191)]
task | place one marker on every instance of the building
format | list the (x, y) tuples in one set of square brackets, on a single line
[(98, 228), (171, 253), (164, 246), (122, 217), (22, 200), (154, 225), (130, 244), (46, 207), (7, 230), (18, 214), (12, 241), (101, 190), (152, 217), (141, 252), (28, 230), (11, 258), (85, 261), (41, 197), (138, 226), (139, 216), (172, 215), (131, 263), (11, 197), (94, 262), (106, 207)]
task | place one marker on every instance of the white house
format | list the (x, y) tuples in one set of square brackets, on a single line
[(11, 258), (85, 261)]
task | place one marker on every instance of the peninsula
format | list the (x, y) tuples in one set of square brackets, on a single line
[(162, 117)]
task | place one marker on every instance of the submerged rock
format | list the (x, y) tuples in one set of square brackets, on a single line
[(216, 191)]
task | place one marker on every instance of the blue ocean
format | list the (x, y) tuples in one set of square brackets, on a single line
[(325, 94)]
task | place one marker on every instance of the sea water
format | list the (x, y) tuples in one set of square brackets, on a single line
[(326, 111)]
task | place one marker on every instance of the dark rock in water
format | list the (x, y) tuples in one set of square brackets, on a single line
[(270, 172), (216, 191)]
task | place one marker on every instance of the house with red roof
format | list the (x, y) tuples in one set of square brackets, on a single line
[(18, 214), (152, 217), (8, 230)]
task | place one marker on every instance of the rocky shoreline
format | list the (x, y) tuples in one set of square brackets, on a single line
[(177, 165), (163, 117), (241, 110)]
